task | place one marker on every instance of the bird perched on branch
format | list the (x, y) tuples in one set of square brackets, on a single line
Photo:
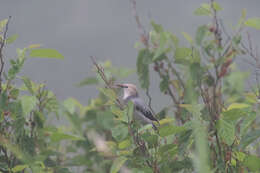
[(141, 111)]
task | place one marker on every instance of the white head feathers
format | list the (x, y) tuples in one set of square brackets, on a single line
[(129, 90)]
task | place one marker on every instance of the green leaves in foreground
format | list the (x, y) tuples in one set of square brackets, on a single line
[(46, 53), (142, 64), (170, 130), (59, 136), (226, 131), (249, 138), (201, 33), (252, 162), (117, 164), (205, 9), (28, 103)]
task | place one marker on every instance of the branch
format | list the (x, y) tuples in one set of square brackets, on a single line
[(2, 44), (254, 55), (217, 31), (143, 36), (144, 39), (138, 142), (109, 85), (175, 72)]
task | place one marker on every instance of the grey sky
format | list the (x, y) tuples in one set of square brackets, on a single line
[(103, 28)]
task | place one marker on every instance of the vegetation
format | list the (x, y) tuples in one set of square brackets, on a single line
[(211, 125)]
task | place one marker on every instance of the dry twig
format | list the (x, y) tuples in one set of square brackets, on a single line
[(100, 71), (2, 44)]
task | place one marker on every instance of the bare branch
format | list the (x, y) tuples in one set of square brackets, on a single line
[(100, 71), (2, 44), (217, 30), (143, 36)]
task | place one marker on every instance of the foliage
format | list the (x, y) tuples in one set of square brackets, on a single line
[(213, 125)]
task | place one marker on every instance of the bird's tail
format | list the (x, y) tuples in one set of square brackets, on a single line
[(154, 127), (158, 122)]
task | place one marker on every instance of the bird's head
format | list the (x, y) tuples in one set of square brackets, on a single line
[(129, 90)]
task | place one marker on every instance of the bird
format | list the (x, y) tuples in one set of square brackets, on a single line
[(142, 112)]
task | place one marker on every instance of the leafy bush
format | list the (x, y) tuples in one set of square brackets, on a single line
[(212, 125)]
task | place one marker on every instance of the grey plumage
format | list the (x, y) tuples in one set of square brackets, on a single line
[(141, 111)]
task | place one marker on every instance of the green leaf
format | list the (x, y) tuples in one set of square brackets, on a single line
[(203, 10), (168, 150), (19, 168), (88, 81), (11, 39), (2, 24), (70, 104), (152, 140), (119, 132), (164, 84), (236, 40), (246, 123), (186, 164), (183, 55), (194, 109), (59, 136), (216, 6), (109, 93), (233, 115), (124, 144), (196, 71), (33, 46), (187, 37), (121, 115), (249, 138), (201, 32), (242, 18), (105, 119), (28, 103), (46, 53), (226, 131), (170, 130), (252, 162), (240, 156), (117, 164), (165, 120), (78, 160), (14, 93), (143, 67), (201, 161), (158, 28), (238, 106), (253, 22), (162, 46), (123, 72), (27, 82), (174, 39)]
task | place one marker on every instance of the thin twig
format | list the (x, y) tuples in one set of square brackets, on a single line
[(144, 39), (150, 99), (215, 21), (2, 44), (175, 72), (138, 142), (109, 85)]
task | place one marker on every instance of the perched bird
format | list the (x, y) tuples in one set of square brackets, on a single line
[(141, 111)]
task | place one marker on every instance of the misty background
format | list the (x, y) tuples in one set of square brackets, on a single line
[(102, 28)]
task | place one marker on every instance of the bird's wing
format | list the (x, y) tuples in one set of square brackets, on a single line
[(143, 109)]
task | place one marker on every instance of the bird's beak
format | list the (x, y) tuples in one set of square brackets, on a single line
[(121, 86)]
